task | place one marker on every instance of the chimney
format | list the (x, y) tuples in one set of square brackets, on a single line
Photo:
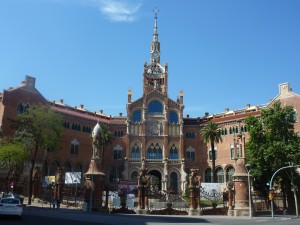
[(120, 114), (226, 109), (101, 111), (248, 106), (206, 114), (181, 97), (61, 101), (129, 95), (81, 106), (188, 116)]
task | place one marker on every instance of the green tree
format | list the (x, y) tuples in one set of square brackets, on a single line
[(106, 135), (272, 144), (210, 133), (40, 129), (12, 154)]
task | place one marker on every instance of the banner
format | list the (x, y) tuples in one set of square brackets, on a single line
[(72, 177), (48, 180)]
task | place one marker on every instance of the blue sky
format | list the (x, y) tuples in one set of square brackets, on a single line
[(221, 53)]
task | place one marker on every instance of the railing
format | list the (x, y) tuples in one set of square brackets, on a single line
[(171, 161)]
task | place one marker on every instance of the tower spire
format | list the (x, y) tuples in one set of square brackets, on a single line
[(155, 45), (155, 34)]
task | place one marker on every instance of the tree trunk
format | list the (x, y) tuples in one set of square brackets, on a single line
[(30, 181), (31, 173), (213, 156), (295, 195)]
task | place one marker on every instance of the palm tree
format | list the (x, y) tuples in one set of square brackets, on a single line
[(210, 133), (106, 135)]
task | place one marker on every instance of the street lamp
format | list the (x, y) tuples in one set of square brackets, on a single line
[(247, 166), (285, 167), (91, 191)]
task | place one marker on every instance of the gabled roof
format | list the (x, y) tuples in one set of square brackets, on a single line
[(284, 92)]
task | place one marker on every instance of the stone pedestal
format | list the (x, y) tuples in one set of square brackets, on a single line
[(195, 212), (59, 184), (240, 179), (143, 186), (94, 185), (142, 211), (194, 186)]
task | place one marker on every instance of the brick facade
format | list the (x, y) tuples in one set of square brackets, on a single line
[(154, 134)]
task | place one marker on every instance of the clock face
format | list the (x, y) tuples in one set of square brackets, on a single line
[(155, 54)]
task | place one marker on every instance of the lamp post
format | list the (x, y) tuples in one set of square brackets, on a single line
[(91, 192), (247, 166), (285, 167)]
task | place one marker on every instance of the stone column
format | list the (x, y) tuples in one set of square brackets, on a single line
[(94, 185), (143, 186), (230, 200), (194, 187), (59, 184), (240, 179)]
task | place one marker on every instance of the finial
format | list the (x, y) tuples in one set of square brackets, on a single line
[(155, 10)]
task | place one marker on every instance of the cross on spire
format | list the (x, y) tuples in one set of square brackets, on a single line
[(155, 10)]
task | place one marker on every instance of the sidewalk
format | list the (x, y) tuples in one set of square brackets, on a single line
[(47, 207)]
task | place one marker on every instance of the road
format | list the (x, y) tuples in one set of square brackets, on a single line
[(68, 217)]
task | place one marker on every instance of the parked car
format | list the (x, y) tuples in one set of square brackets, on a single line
[(11, 207), (13, 195)]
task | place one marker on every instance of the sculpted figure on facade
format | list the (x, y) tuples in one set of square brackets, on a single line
[(194, 180), (59, 177), (96, 144)]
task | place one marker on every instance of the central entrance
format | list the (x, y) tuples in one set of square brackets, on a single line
[(155, 180)]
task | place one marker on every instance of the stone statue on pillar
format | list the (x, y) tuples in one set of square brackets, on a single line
[(59, 184), (143, 187), (94, 182), (194, 186), (97, 142), (240, 177)]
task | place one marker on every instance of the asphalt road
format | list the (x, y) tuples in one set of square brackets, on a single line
[(36, 216)]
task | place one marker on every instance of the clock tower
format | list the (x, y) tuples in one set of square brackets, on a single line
[(155, 74), (154, 139)]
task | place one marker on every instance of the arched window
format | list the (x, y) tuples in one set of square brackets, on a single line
[(295, 116), (173, 152), (208, 175), (173, 117), (74, 147), (135, 151), (173, 183), (53, 167), (67, 167), (20, 109), (118, 152), (229, 173), (134, 176), (113, 174), (77, 167), (154, 151), (45, 168), (220, 175), (216, 153), (155, 107), (190, 154), (136, 116)]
